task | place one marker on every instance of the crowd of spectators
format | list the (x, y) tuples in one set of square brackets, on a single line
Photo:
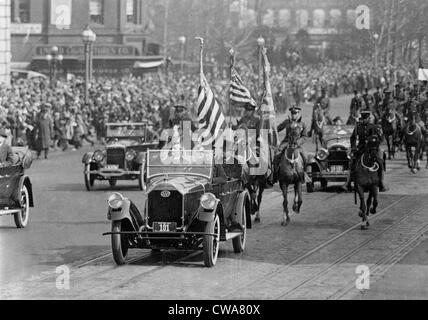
[(46, 115)]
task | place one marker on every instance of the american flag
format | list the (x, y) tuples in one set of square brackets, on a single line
[(239, 94), (210, 114)]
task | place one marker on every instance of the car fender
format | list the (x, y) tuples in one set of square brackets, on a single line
[(24, 180), (128, 211), (208, 215), (87, 157), (141, 157), (243, 200), (312, 159)]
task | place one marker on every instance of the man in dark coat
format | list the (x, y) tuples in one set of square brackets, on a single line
[(44, 132), (7, 157)]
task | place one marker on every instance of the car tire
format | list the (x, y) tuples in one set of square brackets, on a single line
[(119, 244), (89, 178), (112, 183), (324, 183), (141, 178), (211, 243), (239, 242), (21, 218), (309, 185)]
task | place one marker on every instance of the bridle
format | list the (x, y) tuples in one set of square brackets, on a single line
[(413, 132), (373, 168)]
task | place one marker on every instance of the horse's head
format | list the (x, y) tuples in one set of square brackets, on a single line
[(294, 136), (372, 146)]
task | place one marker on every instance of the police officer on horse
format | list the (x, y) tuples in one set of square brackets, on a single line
[(293, 123), (362, 131)]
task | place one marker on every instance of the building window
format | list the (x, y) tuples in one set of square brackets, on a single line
[(319, 18), (131, 10), (20, 11), (96, 11), (302, 19), (335, 17)]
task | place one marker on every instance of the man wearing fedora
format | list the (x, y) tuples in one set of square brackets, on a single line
[(7, 157)]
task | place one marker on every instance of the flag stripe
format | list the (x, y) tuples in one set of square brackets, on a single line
[(238, 92)]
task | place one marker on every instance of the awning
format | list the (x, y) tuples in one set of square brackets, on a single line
[(19, 65), (148, 64)]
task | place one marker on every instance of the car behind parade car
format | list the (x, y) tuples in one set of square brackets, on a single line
[(184, 209), (124, 156), (16, 193), (331, 162)]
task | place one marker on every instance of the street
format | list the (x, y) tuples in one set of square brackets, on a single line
[(315, 257)]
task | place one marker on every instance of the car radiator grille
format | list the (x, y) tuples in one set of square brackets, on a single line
[(162, 209), (116, 156), (338, 158)]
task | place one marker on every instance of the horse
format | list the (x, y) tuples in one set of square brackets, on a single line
[(424, 118), (366, 179), (413, 142), (318, 123), (291, 172), (391, 129)]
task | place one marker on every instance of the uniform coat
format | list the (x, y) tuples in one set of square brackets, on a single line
[(44, 133)]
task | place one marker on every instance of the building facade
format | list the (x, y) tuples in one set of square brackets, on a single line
[(5, 55)]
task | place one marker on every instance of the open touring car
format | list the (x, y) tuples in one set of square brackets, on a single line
[(184, 207)]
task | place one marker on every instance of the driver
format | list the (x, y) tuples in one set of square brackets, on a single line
[(7, 157), (362, 131), (288, 124)]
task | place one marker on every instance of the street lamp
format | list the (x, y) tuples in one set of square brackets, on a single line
[(88, 38), (53, 59), (182, 41), (375, 37), (260, 43)]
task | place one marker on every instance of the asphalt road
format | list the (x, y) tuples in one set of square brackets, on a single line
[(315, 257)]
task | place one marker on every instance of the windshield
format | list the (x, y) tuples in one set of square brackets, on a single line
[(121, 130), (180, 162)]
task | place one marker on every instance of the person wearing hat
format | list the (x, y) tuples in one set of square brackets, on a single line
[(324, 102), (356, 104), (294, 121), (7, 156), (362, 131), (249, 119)]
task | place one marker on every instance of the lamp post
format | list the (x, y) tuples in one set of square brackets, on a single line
[(182, 41), (53, 59), (88, 37), (260, 43), (375, 38)]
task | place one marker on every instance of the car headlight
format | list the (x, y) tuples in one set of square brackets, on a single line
[(322, 154), (208, 201), (130, 155), (115, 201), (98, 156)]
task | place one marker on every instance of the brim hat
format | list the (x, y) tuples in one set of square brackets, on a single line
[(364, 114), (295, 109), (3, 133)]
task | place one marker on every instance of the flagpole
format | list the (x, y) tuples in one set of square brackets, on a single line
[(232, 63), (201, 57)]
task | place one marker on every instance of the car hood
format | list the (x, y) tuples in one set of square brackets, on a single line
[(183, 184)]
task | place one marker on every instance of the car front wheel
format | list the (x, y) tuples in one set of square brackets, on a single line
[(239, 242), (119, 243), (89, 178), (211, 243), (21, 218)]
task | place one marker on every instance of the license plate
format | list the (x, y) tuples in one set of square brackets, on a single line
[(112, 166), (164, 226), (336, 169)]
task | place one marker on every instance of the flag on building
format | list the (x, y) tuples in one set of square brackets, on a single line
[(210, 114), (239, 94)]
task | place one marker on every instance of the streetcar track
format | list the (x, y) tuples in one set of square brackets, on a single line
[(390, 260), (313, 250), (346, 256)]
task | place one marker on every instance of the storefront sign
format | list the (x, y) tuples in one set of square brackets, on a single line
[(25, 28), (76, 50), (61, 13)]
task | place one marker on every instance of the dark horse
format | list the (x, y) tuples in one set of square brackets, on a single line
[(366, 179), (291, 171), (318, 123), (413, 142), (391, 127)]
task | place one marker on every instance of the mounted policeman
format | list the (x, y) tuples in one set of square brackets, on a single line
[(292, 124), (250, 120), (364, 129)]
